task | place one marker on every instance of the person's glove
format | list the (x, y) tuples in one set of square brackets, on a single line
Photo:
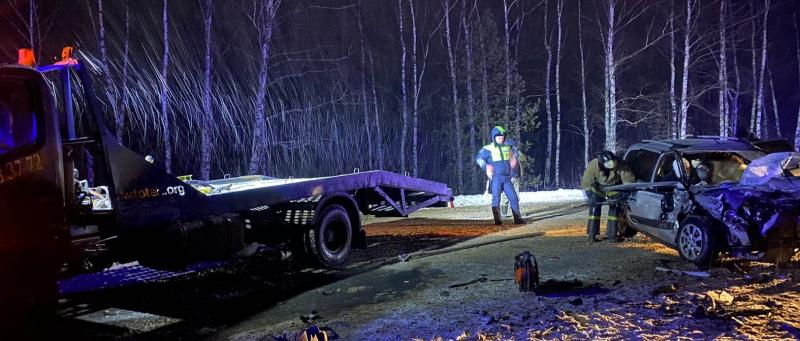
[(596, 186)]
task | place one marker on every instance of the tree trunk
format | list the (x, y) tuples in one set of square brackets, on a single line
[(485, 93), (365, 103), (685, 79), (266, 11), (672, 105), (416, 89), (206, 118), (165, 121), (378, 130), (733, 107), (723, 77), (760, 106), (586, 135), (754, 106), (470, 96), (611, 83), (548, 109), (507, 56), (126, 64), (774, 105), (111, 93), (404, 123), (559, 11), (797, 42), (456, 116)]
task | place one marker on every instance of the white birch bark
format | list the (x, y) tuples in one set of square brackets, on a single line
[(378, 130), (687, 43), (754, 101), (548, 108), (404, 123), (559, 11), (110, 89), (265, 20), (465, 25), (611, 85), (416, 87), (364, 101), (126, 64), (485, 92), (760, 100), (722, 75), (206, 118), (586, 134), (507, 56), (733, 107), (672, 105), (165, 121), (451, 63), (797, 46), (774, 106)]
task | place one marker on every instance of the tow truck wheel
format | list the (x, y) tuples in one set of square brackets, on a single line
[(696, 243), (330, 241)]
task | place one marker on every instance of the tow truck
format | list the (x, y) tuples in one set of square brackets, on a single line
[(74, 199)]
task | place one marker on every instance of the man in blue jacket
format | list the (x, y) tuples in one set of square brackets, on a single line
[(497, 160)]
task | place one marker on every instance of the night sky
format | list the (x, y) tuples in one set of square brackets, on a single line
[(315, 96)]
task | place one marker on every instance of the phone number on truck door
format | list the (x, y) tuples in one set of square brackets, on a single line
[(12, 170)]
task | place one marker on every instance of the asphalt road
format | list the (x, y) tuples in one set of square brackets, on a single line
[(594, 290)]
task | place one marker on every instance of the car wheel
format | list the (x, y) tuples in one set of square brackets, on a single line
[(626, 231), (696, 243), (329, 242)]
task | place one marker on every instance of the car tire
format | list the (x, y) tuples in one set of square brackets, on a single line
[(626, 231), (330, 241), (696, 242)]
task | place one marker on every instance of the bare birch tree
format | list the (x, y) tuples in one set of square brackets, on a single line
[(378, 130), (760, 99), (110, 89), (364, 102), (404, 123), (586, 133), (723, 74), (451, 65), (687, 43), (774, 105), (672, 104), (263, 17), (165, 121), (470, 101), (559, 47), (207, 115), (797, 46), (548, 112), (126, 64)]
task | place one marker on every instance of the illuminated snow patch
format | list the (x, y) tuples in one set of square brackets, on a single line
[(540, 197), (131, 320)]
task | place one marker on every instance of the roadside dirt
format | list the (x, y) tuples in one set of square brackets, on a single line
[(470, 294)]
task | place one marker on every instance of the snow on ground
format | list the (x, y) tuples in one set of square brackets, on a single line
[(540, 197)]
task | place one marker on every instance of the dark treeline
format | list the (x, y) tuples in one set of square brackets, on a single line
[(319, 87)]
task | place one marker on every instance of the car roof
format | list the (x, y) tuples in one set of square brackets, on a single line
[(696, 144)]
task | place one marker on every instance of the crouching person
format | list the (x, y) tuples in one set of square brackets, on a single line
[(603, 171)]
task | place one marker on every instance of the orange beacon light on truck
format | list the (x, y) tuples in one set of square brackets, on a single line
[(26, 58)]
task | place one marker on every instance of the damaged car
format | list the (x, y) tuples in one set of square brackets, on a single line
[(706, 196)]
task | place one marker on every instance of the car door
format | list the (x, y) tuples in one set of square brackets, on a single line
[(650, 204)]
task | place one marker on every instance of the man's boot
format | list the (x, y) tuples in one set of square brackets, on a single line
[(496, 214), (518, 218)]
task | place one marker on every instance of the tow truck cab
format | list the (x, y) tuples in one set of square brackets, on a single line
[(65, 178)]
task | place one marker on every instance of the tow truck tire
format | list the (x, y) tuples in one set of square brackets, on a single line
[(329, 242), (696, 242)]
